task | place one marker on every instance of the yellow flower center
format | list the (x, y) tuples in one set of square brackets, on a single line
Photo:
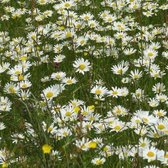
[(166, 156), (65, 134), (82, 42), (68, 113), (160, 114), (17, 72), (117, 128), (105, 148), (156, 135), (150, 154), (145, 120), (138, 121), (49, 95), (161, 126), (23, 58), (69, 81), (99, 162), (67, 5), (84, 113), (150, 54), (143, 144), (24, 86), (58, 76), (76, 109), (114, 92), (92, 107), (82, 66), (62, 28), (68, 34), (118, 111), (98, 91), (12, 89), (20, 77), (86, 17)]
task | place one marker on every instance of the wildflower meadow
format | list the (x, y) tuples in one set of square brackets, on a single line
[(83, 83)]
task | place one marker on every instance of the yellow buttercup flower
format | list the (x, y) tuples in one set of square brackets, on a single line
[(46, 149), (4, 165), (92, 145)]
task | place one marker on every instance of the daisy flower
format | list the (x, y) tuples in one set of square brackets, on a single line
[(150, 54), (58, 76), (98, 161), (25, 84), (11, 88), (150, 154), (5, 104), (118, 126), (4, 67), (52, 91), (158, 88), (115, 92), (81, 65), (121, 68), (67, 4), (136, 74), (69, 81), (99, 91)]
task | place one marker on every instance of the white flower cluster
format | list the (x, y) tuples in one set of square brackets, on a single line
[(83, 83)]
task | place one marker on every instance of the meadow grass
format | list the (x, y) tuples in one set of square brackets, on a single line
[(84, 84)]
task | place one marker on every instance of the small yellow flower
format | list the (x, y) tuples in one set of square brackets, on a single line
[(92, 145), (46, 149), (4, 165)]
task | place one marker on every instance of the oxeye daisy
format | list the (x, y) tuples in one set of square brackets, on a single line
[(5, 104), (119, 111), (136, 74), (150, 153), (159, 113), (67, 4), (69, 81), (99, 91), (25, 84), (118, 126), (4, 67), (11, 88), (86, 16), (52, 91), (158, 88), (58, 76), (42, 2), (114, 92), (121, 68), (150, 54), (98, 161), (81, 65)]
